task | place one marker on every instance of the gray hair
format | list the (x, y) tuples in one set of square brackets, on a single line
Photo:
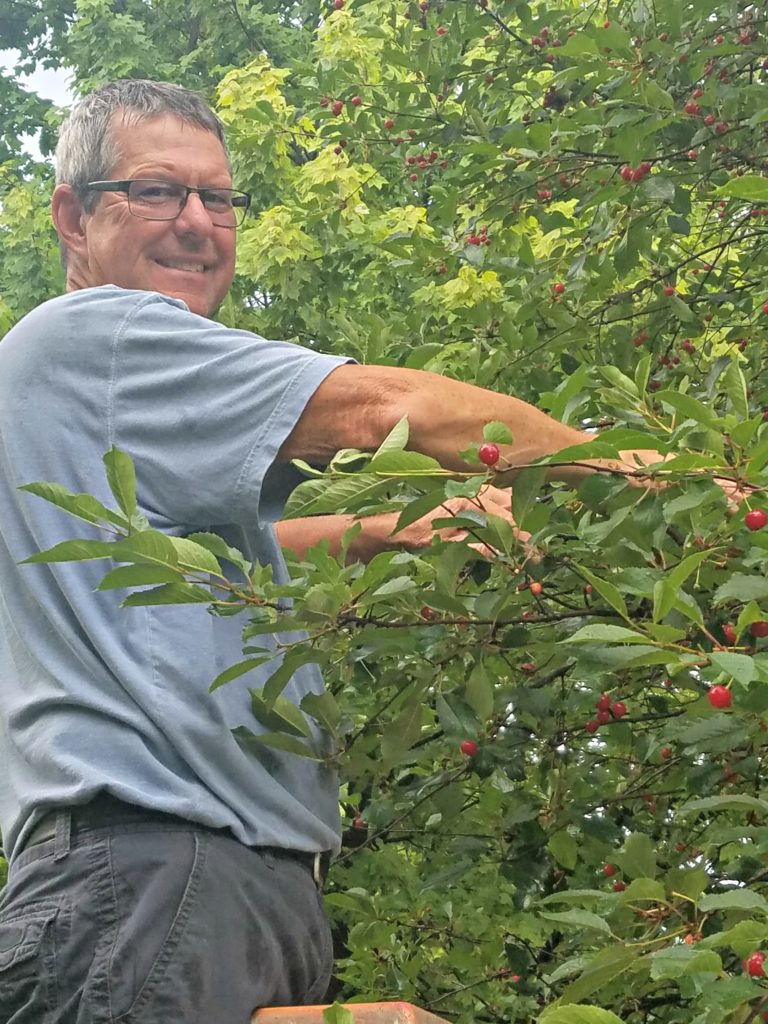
[(87, 150)]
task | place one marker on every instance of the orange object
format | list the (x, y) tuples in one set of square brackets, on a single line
[(363, 1013)]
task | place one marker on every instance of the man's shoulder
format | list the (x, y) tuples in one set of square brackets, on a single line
[(107, 300)]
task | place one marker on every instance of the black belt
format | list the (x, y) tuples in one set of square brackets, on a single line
[(105, 810)]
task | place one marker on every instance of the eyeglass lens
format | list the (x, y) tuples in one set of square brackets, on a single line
[(163, 200)]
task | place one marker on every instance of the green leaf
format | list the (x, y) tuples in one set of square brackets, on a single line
[(195, 557), (275, 740), (606, 590), (573, 1014), (740, 666), (121, 477), (82, 506), (419, 507), (677, 961), (498, 433), (608, 964), (149, 546), (605, 633), (735, 899), (749, 186), (690, 408), (724, 803), (278, 714), (479, 691), (337, 1014), (234, 671), (528, 485), (328, 496), (564, 849), (73, 551), (638, 857), (168, 593), (740, 587), (574, 919), (323, 708), (140, 576), (396, 439), (736, 387), (218, 547), (405, 464)]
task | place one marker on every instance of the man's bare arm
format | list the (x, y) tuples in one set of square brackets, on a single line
[(357, 406), (376, 533)]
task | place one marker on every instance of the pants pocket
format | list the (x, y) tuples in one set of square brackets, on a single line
[(154, 910), (27, 964)]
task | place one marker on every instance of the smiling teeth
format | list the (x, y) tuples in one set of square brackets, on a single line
[(194, 268)]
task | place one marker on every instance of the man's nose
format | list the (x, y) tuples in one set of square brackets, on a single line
[(194, 216)]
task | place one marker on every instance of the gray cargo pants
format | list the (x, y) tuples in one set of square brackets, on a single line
[(157, 922)]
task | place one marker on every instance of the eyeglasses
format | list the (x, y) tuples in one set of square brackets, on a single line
[(164, 200)]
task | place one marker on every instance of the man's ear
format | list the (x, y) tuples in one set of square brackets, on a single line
[(69, 218)]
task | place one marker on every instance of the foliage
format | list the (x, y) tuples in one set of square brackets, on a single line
[(546, 218)]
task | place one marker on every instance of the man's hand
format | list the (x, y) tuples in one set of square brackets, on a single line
[(491, 500)]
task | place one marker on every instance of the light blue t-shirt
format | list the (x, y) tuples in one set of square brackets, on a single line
[(95, 697)]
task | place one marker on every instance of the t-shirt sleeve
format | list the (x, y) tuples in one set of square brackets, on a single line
[(203, 410)]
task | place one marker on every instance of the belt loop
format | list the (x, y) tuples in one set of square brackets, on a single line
[(63, 833), (317, 873)]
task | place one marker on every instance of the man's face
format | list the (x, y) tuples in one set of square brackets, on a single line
[(188, 258)]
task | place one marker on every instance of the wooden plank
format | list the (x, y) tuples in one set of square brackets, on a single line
[(363, 1013)]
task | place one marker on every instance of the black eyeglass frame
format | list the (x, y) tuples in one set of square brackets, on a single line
[(240, 200)]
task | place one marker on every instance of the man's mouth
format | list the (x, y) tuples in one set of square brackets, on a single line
[(185, 265)]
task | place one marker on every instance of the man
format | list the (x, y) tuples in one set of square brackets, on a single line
[(159, 872)]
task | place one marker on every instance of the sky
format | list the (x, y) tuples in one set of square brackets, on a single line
[(46, 82)]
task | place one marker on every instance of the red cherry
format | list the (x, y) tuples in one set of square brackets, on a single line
[(338, 106), (441, 30), (427, 613), (468, 748), (669, 290), (604, 702), (489, 453), (765, 309), (389, 123), (692, 108), (759, 629), (755, 965), (603, 717), (592, 725), (536, 588), (529, 668), (693, 154), (619, 709), (338, 4), (666, 753), (729, 633), (356, 101), (720, 697), (558, 288), (626, 172), (619, 886), (609, 870), (697, 94), (756, 519), (358, 823), (324, 101)]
